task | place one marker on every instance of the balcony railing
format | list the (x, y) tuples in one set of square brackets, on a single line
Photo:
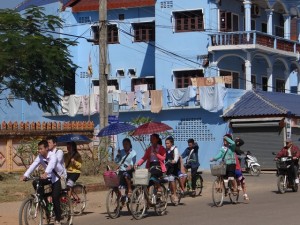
[(254, 37)]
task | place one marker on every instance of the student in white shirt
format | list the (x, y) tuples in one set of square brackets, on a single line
[(49, 161)]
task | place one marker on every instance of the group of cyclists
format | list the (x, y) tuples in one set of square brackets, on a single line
[(160, 160), (58, 168)]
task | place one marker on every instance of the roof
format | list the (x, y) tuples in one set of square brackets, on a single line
[(93, 5), (265, 104)]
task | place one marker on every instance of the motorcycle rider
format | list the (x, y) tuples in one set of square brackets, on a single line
[(291, 150)]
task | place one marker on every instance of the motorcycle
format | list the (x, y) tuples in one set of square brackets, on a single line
[(285, 180), (251, 164)]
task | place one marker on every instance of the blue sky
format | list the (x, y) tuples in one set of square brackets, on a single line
[(9, 3)]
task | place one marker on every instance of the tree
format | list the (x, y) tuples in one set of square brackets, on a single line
[(34, 64)]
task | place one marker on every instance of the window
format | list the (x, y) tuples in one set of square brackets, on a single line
[(253, 25), (264, 27), (149, 81), (228, 22), (121, 16), (279, 31), (253, 81), (113, 83), (235, 79), (69, 84), (264, 82), (112, 34), (84, 19), (144, 32), (280, 85), (183, 78), (187, 21)]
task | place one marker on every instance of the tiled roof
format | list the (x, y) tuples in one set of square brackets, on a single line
[(262, 104), (93, 5)]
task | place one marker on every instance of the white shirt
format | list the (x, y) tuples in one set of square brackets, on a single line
[(60, 158), (52, 164)]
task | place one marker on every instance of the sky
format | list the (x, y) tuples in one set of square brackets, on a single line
[(9, 3)]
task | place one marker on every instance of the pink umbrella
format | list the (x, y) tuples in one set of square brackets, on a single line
[(150, 128)]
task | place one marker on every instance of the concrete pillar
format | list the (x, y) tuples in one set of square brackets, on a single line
[(270, 79), (213, 70), (248, 74), (247, 6), (270, 21), (287, 26), (287, 82)]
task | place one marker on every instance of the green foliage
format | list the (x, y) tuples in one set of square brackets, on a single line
[(34, 64), (27, 151)]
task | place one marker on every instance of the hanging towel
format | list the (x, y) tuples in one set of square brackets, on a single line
[(65, 104), (179, 96), (141, 87), (85, 105), (146, 99), (123, 98), (131, 99), (156, 101), (194, 81), (74, 104), (212, 97)]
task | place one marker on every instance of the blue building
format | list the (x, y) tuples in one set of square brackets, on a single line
[(221, 47)]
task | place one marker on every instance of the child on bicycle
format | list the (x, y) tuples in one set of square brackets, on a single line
[(192, 161), (126, 159), (228, 155), (73, 162), (240, 178), (172, 157)]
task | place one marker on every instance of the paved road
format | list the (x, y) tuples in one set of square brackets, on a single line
[(266, 207)]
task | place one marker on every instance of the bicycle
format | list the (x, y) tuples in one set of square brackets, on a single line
[(78, 197), (219, 187), (188, 183), (37, 210), (115, 201), (145, 196)]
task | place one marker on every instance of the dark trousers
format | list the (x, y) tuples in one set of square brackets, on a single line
[(56, 190), (194, 177)]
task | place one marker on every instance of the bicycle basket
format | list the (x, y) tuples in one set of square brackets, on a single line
[(111, 179), (141, 177), (218, 170)]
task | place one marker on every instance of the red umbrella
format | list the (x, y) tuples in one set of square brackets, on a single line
[(150, 128)]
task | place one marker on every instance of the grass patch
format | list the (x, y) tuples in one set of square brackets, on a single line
[(12, 189)]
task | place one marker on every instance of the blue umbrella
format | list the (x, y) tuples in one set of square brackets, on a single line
[(115, 128), (73, 137)]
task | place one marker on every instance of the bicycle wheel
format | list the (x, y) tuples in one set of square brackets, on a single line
[(113, 203), (78, 198), (199, 184), (66, 209), (161, 202), (30, 212), (218, 192), (138, 203), (281, 185)]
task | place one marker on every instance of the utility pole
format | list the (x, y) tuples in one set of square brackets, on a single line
[(103, 105)]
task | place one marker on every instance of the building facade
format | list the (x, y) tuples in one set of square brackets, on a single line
[(170, 47)]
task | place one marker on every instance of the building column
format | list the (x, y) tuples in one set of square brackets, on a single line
[(248, 74), (287, 85), (270, 79), (247, 7), (298, 82), (213, 70), (287, 26), (270, 21)]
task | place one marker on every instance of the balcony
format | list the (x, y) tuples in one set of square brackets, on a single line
[(253, 40)]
